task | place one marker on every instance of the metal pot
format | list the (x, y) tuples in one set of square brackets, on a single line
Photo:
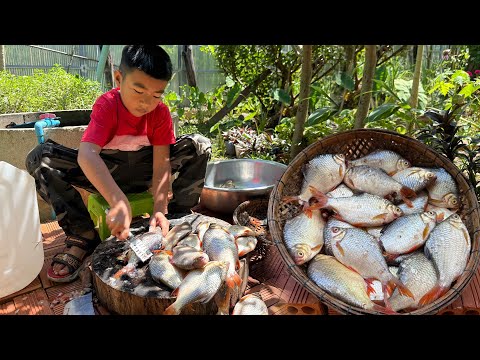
[(228, 183)]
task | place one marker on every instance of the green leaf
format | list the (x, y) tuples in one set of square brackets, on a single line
[(345, 80), (381, 112), (282, 96), (229, 81), (468, 90), (320, 115), (460, 77), (445, 88), (232, 94)]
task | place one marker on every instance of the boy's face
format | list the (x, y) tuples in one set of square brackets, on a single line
[(140, 93)]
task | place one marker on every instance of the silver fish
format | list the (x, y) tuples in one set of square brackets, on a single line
[(341, 190), (448, 246), (199, 285), (163, 271), (239, 230), (303, 235), (250, 304), (419, 204), (191, 240), (220, 245), (387, 160), (375, 231), (245, 244), (360, 251), (377, 182), (176, 233), (201, 228), (415, 178), (363, 210), (327, 235), (188, 258), (153, 240), (419, 275), (324, 172), (407, 233), (444, 191), (442, 212), (341, 282)]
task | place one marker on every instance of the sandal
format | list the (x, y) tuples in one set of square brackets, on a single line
[(74, 264)]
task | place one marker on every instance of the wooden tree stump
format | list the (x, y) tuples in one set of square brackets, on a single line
[(141, 295)]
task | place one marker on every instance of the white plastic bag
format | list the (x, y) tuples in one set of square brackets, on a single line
[(21, 247)]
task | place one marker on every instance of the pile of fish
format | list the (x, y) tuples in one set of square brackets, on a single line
[(198, 265), (377, 232)]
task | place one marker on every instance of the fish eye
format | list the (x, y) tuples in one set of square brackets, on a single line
[(432, 213), (335, 229)]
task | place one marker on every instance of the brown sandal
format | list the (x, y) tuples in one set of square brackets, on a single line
[(74, 264)]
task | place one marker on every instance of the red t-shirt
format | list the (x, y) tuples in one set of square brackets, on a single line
[(112, 126)]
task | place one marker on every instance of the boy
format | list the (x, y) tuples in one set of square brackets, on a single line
[(128, 146)]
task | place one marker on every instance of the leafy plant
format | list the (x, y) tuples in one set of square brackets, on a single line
[(54, 89)]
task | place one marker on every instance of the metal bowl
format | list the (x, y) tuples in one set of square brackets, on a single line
[(228, 183)]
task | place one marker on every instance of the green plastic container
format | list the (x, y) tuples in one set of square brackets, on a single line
[(140, 203)]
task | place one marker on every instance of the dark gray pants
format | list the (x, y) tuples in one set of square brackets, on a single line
[(56, 171)]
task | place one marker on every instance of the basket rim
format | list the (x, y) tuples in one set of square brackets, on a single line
[(300, 275)]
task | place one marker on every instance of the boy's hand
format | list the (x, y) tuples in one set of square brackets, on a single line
[(159, 219), (119, 219)]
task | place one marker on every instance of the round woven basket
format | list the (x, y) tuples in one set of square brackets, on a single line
[(257, 209), (354, 144)]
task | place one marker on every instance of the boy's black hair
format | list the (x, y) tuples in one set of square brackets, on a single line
[(151, 59)]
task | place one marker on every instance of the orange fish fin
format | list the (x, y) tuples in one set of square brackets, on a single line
[(233, 280), (384, 310), (440, 217), (466, 236), (382, 216), (174, 292), (402, 289), (289, 199), (407, 192), (390, 258), (431, 296), (340, 172), (317, 248), (170, 310), (425, 233), (370, 288), (339, 247), (319, 196)]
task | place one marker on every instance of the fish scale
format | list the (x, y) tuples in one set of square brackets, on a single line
[(419, 275), (324, 172), (199, 285), (449, 246), (338, 280), (407, 233), (303, 236)]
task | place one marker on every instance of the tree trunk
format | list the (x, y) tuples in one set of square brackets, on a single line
[(416, 83), (367, 85), (109, 79), (243, 94), (348, 68), (2, 58), (187, 55), (303, 102)]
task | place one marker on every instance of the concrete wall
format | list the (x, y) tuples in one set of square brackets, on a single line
[(16, 143)]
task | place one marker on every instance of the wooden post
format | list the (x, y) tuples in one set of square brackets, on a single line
[(2, 58)]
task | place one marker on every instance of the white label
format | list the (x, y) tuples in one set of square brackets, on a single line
[(141, 250)]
